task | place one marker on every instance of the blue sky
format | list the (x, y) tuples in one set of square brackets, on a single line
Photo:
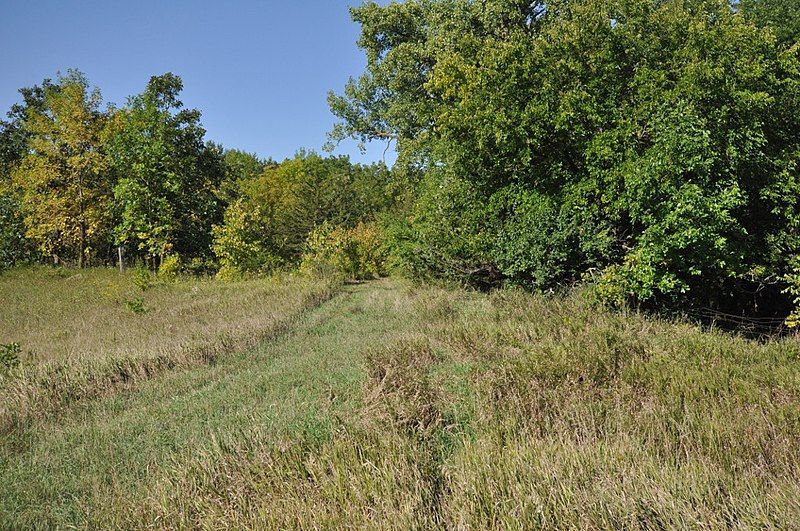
[(259, 71)]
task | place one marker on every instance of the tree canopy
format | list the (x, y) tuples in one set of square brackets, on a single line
[(783, 16), (651, 144), (61, 177)]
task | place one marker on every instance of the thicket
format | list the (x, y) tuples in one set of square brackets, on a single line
[(650, 145), (270, 222), (357, 253)]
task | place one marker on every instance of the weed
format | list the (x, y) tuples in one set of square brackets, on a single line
[(170, 267), (136, 305), (399, 385), (142, 278), (9, 357)]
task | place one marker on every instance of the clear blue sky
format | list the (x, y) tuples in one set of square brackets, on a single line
[(258, 71)]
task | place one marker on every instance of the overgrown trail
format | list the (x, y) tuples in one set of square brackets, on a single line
[(408, 406), (114, 448)]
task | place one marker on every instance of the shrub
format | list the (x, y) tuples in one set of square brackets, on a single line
[(241, 244), (446, 234), (201, 266), (9, 357), (142, 278), (355, 253), (170, 266)]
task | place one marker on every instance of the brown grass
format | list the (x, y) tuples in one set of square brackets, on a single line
[(501, 411), (80, 339), (517, 412)]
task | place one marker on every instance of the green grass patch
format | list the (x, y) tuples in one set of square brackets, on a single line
[(408, 406), (89, 333)]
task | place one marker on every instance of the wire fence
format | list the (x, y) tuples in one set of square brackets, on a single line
[(758, 327)]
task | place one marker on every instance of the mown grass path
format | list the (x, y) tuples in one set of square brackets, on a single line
[(75, 465), (407, 406)]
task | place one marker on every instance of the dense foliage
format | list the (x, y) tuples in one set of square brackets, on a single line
[(782, 16), (62, 178), (14, 246), (649, 145), (268, 224), (80, 184), (652, 144), (79, 180), (357, 252), (167, 176)]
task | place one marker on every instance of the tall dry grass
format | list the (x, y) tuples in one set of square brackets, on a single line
[(514, 411), (500, 411), (81, 337)]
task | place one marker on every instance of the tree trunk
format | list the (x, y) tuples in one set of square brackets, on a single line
[(82, 222), (81, 246)]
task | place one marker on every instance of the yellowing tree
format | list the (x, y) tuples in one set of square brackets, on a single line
[(63, 177)]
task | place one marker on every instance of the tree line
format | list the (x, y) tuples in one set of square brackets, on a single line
[(650, 146), (79, 183)]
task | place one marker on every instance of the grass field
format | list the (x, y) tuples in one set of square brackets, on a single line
[(402, 406), (83, 334)]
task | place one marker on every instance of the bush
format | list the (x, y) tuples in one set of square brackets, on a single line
[(241, 244), (446, 234), (136, 305), (142, 278), (201, 266), (9, 357), (170, 266), (355, 253)]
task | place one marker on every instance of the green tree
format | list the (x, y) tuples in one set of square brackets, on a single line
[(240, 167), (13, 133), (14, 245), (781, 15), (654, 142), (167, 177), (63, 178), (269, 223)]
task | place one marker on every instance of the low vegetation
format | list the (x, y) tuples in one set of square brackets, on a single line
[(409, 406), (84, 333), (356, 253)]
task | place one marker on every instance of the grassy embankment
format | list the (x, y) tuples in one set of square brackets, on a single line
[(405, 406), (85, 334)]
